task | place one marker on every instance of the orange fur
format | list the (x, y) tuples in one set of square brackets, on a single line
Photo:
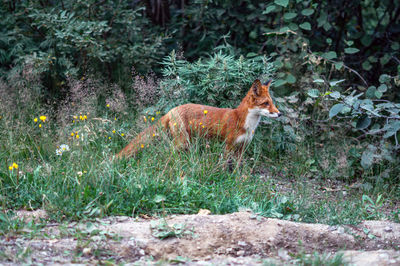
[(234, 126)]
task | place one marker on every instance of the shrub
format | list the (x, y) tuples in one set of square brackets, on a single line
[(219, 80)]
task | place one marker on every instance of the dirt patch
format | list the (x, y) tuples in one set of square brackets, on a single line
[(238, 238)]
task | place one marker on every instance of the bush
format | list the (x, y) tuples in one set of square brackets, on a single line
[(220, 80)]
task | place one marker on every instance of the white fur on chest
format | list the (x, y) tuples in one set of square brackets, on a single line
[(250, 125)]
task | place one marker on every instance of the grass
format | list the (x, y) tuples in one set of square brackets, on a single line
[(84, 183)]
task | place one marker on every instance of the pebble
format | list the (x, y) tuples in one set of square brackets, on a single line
[(240, 253), (242, 243), (388, 229)]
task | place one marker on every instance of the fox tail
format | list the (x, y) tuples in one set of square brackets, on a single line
[(138, 143)]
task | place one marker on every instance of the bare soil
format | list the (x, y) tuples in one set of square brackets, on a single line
[(241, 238)]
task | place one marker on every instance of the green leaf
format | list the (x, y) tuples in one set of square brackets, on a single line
[(159, 198), (334, 83), (338, 65), (335, 95), (391, 128), (330, 55), (384, 78), (372, 59), (293, 27), (253, 34), (284, 29), (307, 12), (395, 46), (366, 65), (283, 3), (378, 94), (367, 158), (305, 26), (335, 109), (290, 79), (318, 81), (351, 50), (384, 59), (313, 93), (382, 88), (370, 92), (323, 19), (251, 54), (269, 9), (363, 122), (279, 82), (289, 16)]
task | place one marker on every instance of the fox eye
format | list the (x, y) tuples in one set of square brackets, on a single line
[(266, 103)]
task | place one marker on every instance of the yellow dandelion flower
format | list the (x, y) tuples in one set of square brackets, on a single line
[(81, 117), (205, 112), (174, 124), (201, 123), (141, 146), (145, 119), (115, 118), (75, 117), (77, 136), (84, 117), (108, 106), (35, 119), (109, 137), (202, 126), (10, 167), (152, 119), (72, 134), (154, 134), (14, 165), (113, 131), (43, 118), (158, 112), (122, 134), (40, 125)]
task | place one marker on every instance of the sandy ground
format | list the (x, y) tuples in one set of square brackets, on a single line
[(241, 238)]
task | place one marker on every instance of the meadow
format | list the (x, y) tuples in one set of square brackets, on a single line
[(58, 158)]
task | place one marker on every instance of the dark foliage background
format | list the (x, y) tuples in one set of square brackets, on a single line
[(109, 37)]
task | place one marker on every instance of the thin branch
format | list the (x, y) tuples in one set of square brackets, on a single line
[(349, 68)]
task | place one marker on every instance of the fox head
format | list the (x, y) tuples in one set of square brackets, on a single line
[(261, 102)]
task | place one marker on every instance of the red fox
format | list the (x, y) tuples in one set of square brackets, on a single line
[(234, 126)]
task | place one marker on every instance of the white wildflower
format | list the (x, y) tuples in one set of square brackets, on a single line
[(62, 149)]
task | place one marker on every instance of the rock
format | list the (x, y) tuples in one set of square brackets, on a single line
[(240, 253), (242, 243), (388, 229), (87, 251)]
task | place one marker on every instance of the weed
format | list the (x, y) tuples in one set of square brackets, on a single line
[(162, 230), (319, 259), (372, 209)]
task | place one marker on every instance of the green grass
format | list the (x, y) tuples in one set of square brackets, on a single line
[(85, 183)]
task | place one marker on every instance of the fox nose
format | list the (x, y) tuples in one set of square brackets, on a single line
[(279, 114)]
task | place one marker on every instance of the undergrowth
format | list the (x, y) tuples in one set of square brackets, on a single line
[(58, 157)]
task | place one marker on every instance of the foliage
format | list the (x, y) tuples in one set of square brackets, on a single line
[(220, 80), (72, 37)]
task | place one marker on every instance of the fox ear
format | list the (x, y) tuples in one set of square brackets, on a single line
[(257, 87), (268, 83)]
